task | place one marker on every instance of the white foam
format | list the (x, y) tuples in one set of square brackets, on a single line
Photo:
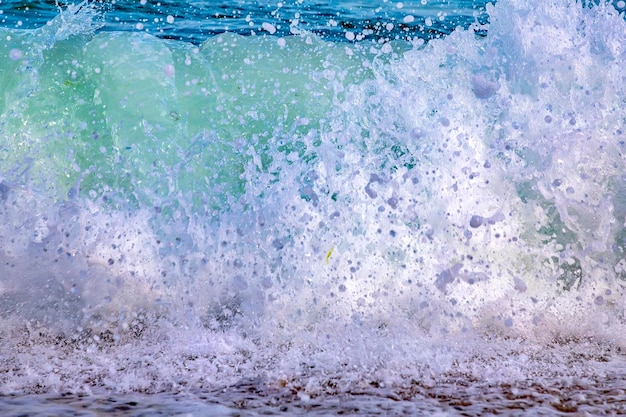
[(467, 193)]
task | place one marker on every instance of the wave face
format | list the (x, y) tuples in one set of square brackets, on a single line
[(322, 214)]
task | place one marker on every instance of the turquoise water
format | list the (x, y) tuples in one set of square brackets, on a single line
[(321, 203)]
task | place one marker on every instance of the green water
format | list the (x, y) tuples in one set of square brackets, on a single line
[(133, 118)]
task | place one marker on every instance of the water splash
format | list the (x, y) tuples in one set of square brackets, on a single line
[(317, 213)]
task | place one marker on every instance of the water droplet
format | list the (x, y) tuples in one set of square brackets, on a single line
[(476, 221), (169, 70), (268, 27), (15, 54), (484, 88)]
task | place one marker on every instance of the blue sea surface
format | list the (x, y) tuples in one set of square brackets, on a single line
[(302, 207), (195, 21)]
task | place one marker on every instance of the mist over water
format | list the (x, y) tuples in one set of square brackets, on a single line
[(303, 215)]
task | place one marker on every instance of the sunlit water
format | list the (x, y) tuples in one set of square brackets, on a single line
[(300, 208)]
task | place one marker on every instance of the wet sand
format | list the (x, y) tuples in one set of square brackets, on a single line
[(258, 397)]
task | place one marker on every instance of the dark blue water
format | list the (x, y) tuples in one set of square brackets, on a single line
[(194, 21)]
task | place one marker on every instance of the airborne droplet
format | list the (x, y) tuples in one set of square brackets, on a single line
[(476, 221)]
